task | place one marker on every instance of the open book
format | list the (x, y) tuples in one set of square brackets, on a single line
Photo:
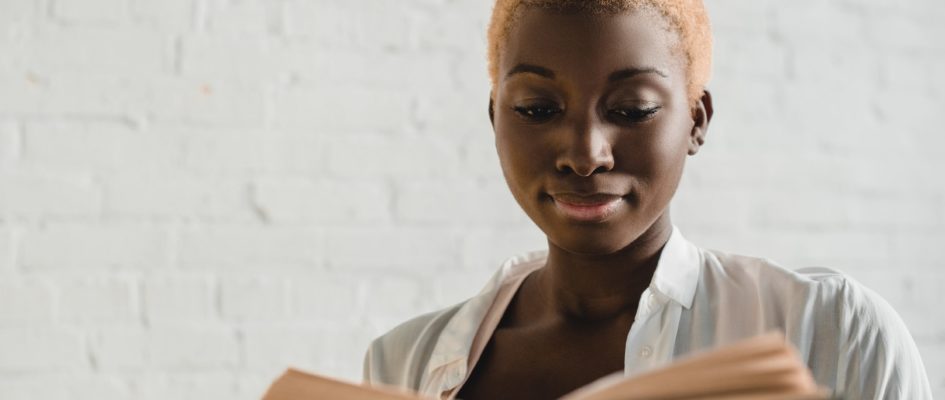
[(760, 368)]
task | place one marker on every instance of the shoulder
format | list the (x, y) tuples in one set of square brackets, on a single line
[(402, 356), (818, 290), (399, 357), (852, 339), (727, 274)]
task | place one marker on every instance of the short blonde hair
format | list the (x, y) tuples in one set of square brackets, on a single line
[(688, 17)]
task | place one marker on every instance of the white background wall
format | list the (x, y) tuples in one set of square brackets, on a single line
[(196, 193)]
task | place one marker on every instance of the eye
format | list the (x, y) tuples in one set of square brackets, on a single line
[(537, 113), (634, 114)]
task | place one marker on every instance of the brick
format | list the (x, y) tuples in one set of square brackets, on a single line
[(7, 251), (752, 104), (330, 298), (174, 15), (340, 109), (178, 300), (251, 248), (116, 248), (814, 21), (107, 147), (834, 248), (41, 350), (99, 51), (90, 11), (374, 24), (372, 156), (210, 57), (805, 208), (398, 249), (296, 153), (165, 348), (186, 348), (480, 158), (695, 207), (254, 298), (275, 348), (71, 92), (210, 385), (751, 56), (18, 15), (919, 247), (470, 73), (484, 249), (67, 386), (453, 114), (899, 31), (306, 200), (450, 288), (832, 65), (933, 358), (35, 196), (227, 152), (119, 349), (403, 72), (446, 202), (25, 304), (177, 197), (741, 16), (10, 144), (213, 103), (459, 26), (313, 348), (249, 18), (403, 297), (98, 301)]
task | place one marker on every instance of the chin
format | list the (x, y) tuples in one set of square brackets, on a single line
[(590, 240)]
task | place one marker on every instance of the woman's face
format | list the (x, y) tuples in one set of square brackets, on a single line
[(593, 124)]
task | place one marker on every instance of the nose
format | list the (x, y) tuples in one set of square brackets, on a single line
[(586, 151)]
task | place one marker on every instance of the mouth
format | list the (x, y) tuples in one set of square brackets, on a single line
[(587, 208)]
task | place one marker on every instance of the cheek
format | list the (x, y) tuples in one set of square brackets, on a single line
[(522, 154), (656, 155)]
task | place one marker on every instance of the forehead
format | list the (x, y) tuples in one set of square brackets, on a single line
[(591, 46)]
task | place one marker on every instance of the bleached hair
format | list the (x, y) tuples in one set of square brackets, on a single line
[(687, 17)]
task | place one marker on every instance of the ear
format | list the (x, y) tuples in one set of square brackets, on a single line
[(491, 111), (701, 115)]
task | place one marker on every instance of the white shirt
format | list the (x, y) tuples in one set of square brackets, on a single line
[(851, 339)]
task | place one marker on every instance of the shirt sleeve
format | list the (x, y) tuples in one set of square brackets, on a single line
[(879, 358)]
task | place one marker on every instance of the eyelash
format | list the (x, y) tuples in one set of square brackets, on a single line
[(545, 113)]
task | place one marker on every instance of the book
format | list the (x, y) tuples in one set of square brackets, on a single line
[(764, 367)]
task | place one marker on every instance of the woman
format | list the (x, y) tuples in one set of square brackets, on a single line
[(595, 106)]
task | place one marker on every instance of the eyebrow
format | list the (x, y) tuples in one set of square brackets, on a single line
[(531, 69), (615, 76), (631, 72)]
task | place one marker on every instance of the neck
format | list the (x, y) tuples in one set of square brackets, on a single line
[(602, 286)]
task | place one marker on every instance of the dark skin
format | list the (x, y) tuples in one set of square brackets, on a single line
[(586, 105)]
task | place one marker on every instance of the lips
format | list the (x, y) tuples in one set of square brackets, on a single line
[(595, 207)]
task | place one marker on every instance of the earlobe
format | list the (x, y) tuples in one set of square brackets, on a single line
[(701, 116)]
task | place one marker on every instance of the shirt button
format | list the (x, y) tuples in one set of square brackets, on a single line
[(646, 352)]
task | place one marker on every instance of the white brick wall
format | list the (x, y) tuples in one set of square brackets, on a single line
[(196, 193)]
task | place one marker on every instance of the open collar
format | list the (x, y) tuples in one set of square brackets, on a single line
[(676, 278), (677, 272)]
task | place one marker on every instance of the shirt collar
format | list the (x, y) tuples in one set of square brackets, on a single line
[(455, 341), (677, 272), (676, 277)]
